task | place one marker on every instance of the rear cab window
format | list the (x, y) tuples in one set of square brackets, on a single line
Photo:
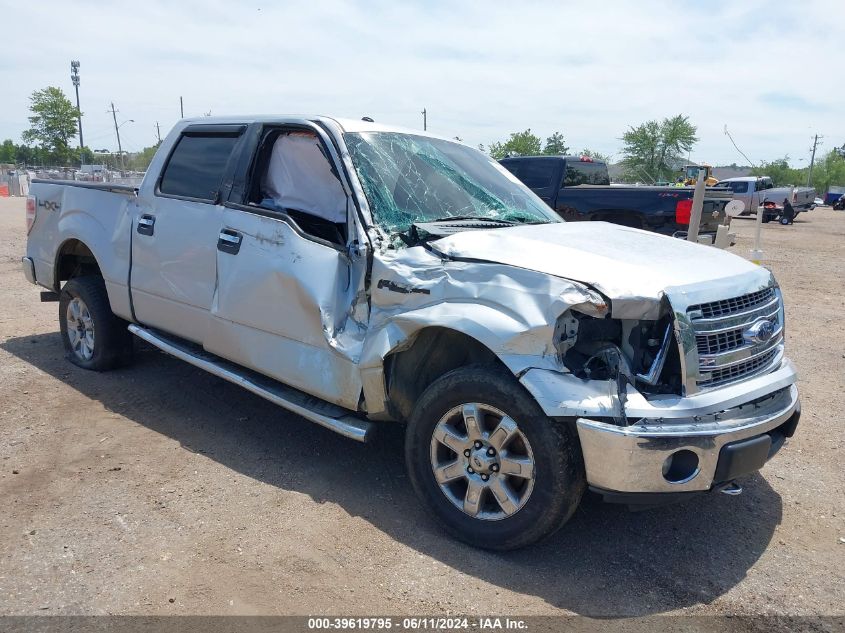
[(197, 164), (585, 173)]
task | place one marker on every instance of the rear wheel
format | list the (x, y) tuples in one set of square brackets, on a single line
[(484, 458), (94, 338)]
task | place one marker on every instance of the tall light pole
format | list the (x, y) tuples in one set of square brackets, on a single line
[(425, 119), (74, 77)]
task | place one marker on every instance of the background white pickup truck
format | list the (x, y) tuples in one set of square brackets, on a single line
[(359, 274)]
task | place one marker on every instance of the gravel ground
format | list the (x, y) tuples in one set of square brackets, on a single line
[(159, 489)]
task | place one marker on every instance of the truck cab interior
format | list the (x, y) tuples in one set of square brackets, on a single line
[(294, 176)]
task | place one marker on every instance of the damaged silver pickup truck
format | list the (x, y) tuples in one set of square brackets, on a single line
[(358, 275)]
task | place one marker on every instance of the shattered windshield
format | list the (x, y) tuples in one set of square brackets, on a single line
[(411, 179)]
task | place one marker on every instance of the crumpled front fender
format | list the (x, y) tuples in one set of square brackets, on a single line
[(511, 311)]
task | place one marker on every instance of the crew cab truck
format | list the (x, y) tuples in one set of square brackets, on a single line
[(760, 192), (578, 188), (362, 275)]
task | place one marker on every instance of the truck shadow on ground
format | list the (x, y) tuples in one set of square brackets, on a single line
[(605, 562)]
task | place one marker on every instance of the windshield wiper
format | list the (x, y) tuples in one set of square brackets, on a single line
[(455, 218)]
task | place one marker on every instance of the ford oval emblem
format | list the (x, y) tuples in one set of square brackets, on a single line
[(760, 331)]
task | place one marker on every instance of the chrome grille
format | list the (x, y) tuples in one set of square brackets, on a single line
[(726, 307), (724, 341), (740, 370), (725, 355), (718, 343)]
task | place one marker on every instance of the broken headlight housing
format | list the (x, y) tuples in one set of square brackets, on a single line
[(640, 352)]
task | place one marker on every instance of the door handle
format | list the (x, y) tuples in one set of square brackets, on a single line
[(229, 241), (146, 224)]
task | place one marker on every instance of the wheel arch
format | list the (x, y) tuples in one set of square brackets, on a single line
[(74, 258), (433, 351)]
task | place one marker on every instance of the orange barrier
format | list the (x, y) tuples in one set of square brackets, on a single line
[(4, 191)]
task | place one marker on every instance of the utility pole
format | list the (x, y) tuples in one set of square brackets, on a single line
[(425, 119), (158, 133), (181, 108), (812, 160), (117, 131), (74, 77)]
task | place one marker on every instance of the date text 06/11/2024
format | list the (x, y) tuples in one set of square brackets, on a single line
[(418, 623)]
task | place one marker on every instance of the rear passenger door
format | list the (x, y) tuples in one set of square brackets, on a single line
[(174, 240)]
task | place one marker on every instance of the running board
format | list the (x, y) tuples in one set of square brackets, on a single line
[(313, 409)]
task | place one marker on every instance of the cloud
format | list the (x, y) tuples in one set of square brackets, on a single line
[(481, 69), (785, 101)]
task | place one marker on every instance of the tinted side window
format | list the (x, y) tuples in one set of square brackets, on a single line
[(585, 173), (736, 186), (534, 174), (538, 174), (196, 166)]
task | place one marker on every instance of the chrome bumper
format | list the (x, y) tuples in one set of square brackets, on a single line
[(28, 269), (635, 458), (632, 458)]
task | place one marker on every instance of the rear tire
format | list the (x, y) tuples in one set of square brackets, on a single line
[(94, 338), (512, 477)]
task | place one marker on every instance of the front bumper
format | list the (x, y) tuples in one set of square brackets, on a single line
[(640, 458), (675, 445)]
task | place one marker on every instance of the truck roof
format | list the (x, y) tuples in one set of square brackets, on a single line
[(574, 159), (743, 179), (345, 124)]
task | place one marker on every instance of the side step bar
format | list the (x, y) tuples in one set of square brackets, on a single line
[(325, 414)]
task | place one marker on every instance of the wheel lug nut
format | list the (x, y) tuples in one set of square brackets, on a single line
[(485, 477), (467, 453), (477, 443), (491, 451), (470, 470), (494, 468)]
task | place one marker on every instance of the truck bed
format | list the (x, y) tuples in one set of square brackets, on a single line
[(98, 215)]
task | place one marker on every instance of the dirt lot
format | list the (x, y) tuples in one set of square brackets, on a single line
[(159, 489)]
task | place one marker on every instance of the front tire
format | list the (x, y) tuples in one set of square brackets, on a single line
[(94, 338), (488, 463)]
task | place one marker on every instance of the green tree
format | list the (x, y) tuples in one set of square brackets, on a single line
[(780, 172), (657, 148), (8, 150), (519, 144), (53, 122), (605, 158), (140, 161), (556, 145), (828, 172)]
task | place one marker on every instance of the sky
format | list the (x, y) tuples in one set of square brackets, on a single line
[(772, 72)]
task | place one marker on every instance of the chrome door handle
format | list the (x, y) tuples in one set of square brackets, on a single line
[(229, 241), (146, 224)]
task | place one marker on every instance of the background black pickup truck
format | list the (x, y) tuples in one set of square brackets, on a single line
[(579, 188)]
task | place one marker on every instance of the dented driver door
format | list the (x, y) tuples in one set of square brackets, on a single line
[(285, 305)]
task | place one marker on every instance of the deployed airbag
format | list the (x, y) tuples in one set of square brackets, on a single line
[(299, 177)]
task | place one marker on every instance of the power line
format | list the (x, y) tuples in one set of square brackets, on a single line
[(728, 134)]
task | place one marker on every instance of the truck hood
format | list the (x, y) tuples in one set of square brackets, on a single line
[(633, 268)]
